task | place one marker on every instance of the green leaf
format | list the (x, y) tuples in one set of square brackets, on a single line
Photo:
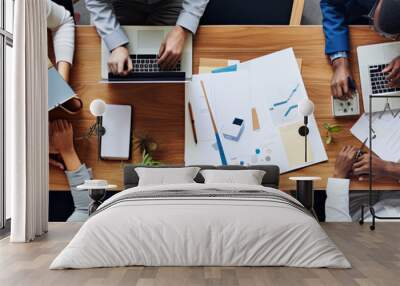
[(335, 128), (326, 125), (147, 160)]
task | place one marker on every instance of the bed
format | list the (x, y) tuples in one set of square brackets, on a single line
[(198, 224)]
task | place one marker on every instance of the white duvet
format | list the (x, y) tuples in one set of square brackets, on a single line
[(200, 231)]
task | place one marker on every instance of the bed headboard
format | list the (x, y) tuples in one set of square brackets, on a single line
[(271, 177)]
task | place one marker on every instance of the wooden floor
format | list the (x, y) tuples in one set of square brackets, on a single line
[(375, 257)]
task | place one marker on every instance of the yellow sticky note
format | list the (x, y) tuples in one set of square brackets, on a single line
[(207, 65), (294, 144)]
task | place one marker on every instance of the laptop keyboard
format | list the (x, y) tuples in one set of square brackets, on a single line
[(379, 82), (148, 63)]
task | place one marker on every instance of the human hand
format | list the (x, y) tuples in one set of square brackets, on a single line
[(56, 164), (340, 80), (61, 137), (119, 62), (379, 166), (344, 162), (62, 142), (172, 47), (393, 70)]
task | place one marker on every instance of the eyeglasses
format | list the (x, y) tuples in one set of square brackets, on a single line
[(371, 19)]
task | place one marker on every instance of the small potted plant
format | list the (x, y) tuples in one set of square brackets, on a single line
[(147, 146)]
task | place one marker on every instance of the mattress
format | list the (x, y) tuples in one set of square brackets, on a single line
[(201, 225)]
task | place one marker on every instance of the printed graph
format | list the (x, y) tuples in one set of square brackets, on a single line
[(262, 155), (283, 111)]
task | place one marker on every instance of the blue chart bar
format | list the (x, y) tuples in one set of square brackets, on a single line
[(290, 109), (280, 103), (221, 150), (286, 101), (231, 68)]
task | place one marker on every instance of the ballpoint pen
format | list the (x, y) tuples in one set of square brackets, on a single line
[(192, 122), (360, 150)]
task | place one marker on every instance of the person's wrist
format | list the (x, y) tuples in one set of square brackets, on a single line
[(340, 63), (183, 30), (339, 174), (67, 152), (120, 48), (392, 169)]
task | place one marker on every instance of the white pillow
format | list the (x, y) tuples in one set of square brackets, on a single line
[(166, 176), (247, 177)]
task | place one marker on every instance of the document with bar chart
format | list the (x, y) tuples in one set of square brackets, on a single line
[(252, 117)]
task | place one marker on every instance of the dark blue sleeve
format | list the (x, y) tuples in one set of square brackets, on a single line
[(335, 26)]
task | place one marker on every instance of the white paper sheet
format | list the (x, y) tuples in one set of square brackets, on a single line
[(386, 134)]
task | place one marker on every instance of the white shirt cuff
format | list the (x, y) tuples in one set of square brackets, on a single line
[(188, 21), (337, 202), (116, 39)]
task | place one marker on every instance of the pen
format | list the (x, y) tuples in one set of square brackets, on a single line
[(360, 152), (192, 122)]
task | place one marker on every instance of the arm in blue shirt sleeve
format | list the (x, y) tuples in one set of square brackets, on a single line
[(335, 26), (80, 197), (191, 13), (103, 17)]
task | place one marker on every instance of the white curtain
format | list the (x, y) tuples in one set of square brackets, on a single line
[(27, 124)]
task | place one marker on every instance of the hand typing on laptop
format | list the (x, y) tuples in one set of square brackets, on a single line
[(170, 52), (337, 15), (119, 61), (114, 21), (172, 47), (393, 70)]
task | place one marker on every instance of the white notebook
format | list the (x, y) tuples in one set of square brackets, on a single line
[(116, 142)]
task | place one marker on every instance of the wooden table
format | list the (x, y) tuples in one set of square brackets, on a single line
[(159, 108)]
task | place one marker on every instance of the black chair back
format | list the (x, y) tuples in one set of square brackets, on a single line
[(253, 12)]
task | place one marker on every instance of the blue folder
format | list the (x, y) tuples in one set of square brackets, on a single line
[(59, 91)]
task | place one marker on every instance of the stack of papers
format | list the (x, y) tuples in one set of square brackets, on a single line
[(251, 117)]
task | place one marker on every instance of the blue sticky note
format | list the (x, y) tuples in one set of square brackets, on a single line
[(231, 68)]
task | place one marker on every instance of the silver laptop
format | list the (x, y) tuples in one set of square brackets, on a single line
[(372, 60), (144, 45)]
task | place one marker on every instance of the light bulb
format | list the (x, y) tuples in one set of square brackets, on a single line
[(98, 107), (306, 107)]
